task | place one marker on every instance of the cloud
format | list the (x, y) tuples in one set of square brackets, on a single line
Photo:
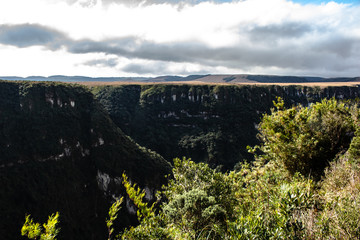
[(341, 46), (149, 68), (275, 32), (340, 53), (135, 3), (157, 68), (146, 2), (201, 37), (117, 46), (26, 35), (309, 56), (111, 62)]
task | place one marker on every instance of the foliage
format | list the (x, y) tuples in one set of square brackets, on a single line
[(271, 202), (150, 224), (208, 123), (258, 201), (113, 213), (306, 139), (199, 204), (137, 195), (200, 200), (340, 195), (49, 231)]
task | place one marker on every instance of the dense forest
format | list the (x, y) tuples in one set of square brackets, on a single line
[(207, 123), (71, 153)]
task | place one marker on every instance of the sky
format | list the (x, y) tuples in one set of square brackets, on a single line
[(122, 38)]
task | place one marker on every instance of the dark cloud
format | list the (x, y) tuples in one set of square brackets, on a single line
[(343, 47), (339, 53), (288, 56), (118, 46), (25, 35), (275, 32), (112, 62)]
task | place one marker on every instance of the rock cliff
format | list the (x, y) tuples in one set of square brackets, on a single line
[(59, 151), (210, 123)]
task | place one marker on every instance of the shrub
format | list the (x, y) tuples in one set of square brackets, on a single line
[(306, 139), (200, 202), (340, 195), (271, 204), (201, 199)]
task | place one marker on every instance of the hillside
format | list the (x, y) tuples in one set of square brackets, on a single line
[(209, 123), (61, 152)]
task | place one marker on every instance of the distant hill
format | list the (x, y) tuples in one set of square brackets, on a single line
[(242, 78), (62, 78), (209, 78)]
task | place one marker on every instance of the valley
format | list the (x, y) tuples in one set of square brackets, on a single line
[(64, 146)]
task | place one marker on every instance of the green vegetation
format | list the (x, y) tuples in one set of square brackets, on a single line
[(261, 200), (305, 139), (208, 123), (113, 214), (35, 231), (254, 203), (265, 199)]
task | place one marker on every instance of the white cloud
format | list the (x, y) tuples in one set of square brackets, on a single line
[(260, 36), (37, 61)]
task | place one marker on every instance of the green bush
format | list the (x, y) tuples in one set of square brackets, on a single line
[(340, 195), (306, 139), (200, 199), (199, 203), (271, 203), (259, 201)]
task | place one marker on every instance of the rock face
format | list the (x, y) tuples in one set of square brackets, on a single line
[(59, 151), (209, 123)]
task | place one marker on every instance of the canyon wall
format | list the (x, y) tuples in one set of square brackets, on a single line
[(209, 123), (60, 151)]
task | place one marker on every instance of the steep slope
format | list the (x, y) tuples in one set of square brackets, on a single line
[(59, 151), (209, 123)]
